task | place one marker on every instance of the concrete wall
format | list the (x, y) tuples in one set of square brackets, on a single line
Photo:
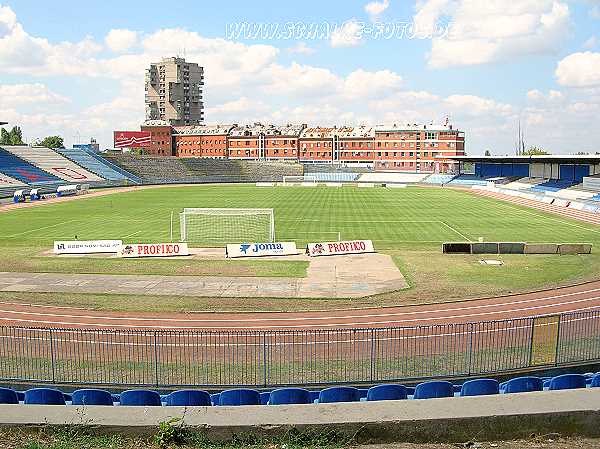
[(505, 416)]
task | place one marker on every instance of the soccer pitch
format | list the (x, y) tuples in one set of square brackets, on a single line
[(409, 224), (393, 218)]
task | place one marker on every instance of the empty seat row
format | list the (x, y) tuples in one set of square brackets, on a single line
[(283, 396)]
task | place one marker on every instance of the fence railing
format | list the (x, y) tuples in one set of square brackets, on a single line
[(284, 357)]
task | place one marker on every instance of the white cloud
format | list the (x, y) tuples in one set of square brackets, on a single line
[(594, 12), (32, 95), (495, 30), (362, 83), (590, 43), (579, 70), (475, 105), (302, 49), (374, 9), (348, 34), (120, 40)]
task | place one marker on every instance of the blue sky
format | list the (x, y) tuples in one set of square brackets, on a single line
[(76, 68)]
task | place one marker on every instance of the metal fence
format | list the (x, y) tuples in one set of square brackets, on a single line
[(285, 357)]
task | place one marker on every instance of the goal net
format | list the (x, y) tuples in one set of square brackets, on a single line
[(222, 226), (290, 180)]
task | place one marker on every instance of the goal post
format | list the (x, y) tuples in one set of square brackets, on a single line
[(222, 226), (306, 179)]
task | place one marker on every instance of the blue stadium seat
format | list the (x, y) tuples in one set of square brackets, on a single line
[(264, 397), (595, 381), (480, 387), (44, 396), (410, 391), (91, 397), (339, 394), (116, 397), (239, 396), (8, 396), (524, 384), (140, 398), (188, 398), (363, 392), (434, 389), (21, 395), (214, 398), (567, 381), (387, 392), (284, 396)]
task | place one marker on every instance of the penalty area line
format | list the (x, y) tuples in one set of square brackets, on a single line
[(457, 232), (39, 229)]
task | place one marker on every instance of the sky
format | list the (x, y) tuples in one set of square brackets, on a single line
[(76, 69)]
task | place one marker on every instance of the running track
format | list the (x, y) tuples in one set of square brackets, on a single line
[(567, 299)]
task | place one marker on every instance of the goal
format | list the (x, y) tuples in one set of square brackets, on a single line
[(222, 226), (304, 180)]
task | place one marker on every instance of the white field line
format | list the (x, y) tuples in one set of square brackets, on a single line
[(459, 233), (132, 234), (319, 318), (292, 343), (302, 326), (39, 229)]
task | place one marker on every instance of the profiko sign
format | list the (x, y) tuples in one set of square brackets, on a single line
[(87, 246), (154, 250), (334, 248), (261, 249)]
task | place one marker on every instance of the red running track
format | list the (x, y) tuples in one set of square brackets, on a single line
[(567, 299)]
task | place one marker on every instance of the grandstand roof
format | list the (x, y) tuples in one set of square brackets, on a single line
[(548, 158)]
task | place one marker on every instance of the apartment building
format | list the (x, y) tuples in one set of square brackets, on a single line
[(174, 92)]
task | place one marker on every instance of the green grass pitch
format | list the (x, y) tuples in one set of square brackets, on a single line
[(392, 218)]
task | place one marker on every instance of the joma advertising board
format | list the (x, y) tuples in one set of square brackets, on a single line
[(154, 250), (87, 246), (336, 248), (261, 249)]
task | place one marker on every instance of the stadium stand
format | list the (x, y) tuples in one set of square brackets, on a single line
[(390, 177), (19, 169), (53, 163), (295, 395), (438, 178), (92, 164), (468, 180), (156, 170), (333, 177), (335, 168)]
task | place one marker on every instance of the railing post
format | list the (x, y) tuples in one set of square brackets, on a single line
[(52, 362), (557, 350), (531, 341), (264, 357), (469, 366), (373, 355), (156, 382)]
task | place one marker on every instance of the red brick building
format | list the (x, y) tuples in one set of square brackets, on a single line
[(395, 147), (206, 141)]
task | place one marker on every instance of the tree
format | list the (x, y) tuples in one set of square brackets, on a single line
[(487, 153), (16, 136), (4, 137), (534, 151), (51, 142)]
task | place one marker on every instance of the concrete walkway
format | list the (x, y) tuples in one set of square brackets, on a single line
[(351, 276)]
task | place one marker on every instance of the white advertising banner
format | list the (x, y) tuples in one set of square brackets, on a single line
[(334, 248), (154, 250), (261, 249), (87, 246)]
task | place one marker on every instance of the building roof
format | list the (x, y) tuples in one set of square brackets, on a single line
[(357, 131), (549, 158), (319, 132), (156, 123), (203, 130), (394, 127)]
